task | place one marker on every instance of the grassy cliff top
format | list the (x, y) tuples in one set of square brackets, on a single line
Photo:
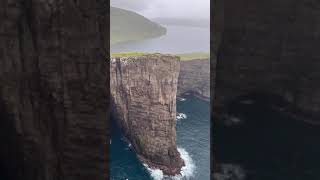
[(128, 54), (183, 57), (193, 56)]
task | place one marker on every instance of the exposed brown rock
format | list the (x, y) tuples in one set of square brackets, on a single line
[(53, 89), (143, 91)]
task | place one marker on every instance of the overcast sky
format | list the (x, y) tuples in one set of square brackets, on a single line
[(193, 9)]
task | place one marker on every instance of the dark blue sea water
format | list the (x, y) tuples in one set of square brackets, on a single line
[(193, 140)]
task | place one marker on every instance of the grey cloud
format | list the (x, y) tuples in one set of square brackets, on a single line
[(167, 8), (134, 5)]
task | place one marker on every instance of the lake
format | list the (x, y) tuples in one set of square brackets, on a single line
[(178, 40)]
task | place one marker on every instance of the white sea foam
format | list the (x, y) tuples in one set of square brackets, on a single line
[(181, 99), (156, 174), (129, 146), (181, 116), (232, 120), (186, 172)]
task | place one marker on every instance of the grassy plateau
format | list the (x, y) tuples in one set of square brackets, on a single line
[(183, 57)]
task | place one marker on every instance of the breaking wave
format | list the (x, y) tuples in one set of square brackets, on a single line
[(181, 99), (181, 116), (187, 171)]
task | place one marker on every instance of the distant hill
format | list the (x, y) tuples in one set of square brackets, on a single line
[(130, 26), (183, 22)]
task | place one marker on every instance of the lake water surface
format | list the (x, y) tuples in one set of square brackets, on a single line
[(179, 39)]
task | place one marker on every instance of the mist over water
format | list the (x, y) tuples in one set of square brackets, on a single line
[(185, 9)]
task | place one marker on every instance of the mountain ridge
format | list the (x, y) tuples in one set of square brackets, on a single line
[(127, 25)]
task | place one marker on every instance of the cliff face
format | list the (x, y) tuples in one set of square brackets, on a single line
[(194, 78), (143, 91), (267, 48), (53, 89), (270, 47)]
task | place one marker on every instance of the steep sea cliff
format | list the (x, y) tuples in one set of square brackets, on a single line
[(53, 90), (194, 78), (143, 91)]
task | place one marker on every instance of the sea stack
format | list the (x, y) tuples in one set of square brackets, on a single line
[(143, 90)]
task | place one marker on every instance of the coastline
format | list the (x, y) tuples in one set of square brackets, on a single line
[(153, 36)]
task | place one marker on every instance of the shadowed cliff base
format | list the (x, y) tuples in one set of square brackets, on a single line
[(143, 90), (258, 141), (11, 151)]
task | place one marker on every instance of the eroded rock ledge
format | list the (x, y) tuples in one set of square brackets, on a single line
[(143, 91)]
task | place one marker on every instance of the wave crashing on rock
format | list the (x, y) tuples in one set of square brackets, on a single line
[(187, 171)]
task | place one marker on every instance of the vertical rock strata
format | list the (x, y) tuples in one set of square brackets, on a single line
[(270, 47), (194, 78), (143, 91), (53, 89)]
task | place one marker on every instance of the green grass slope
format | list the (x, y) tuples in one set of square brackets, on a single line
[(130, 26), (193, 56), (128, 54), (183, 57)]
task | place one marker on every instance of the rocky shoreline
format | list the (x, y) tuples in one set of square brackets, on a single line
[(167, 170)]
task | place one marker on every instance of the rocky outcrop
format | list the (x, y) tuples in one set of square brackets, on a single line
[(143, 91), (194, 78), (271, 48), (53, 89)]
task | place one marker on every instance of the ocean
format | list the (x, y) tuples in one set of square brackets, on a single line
[(193, 141)]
